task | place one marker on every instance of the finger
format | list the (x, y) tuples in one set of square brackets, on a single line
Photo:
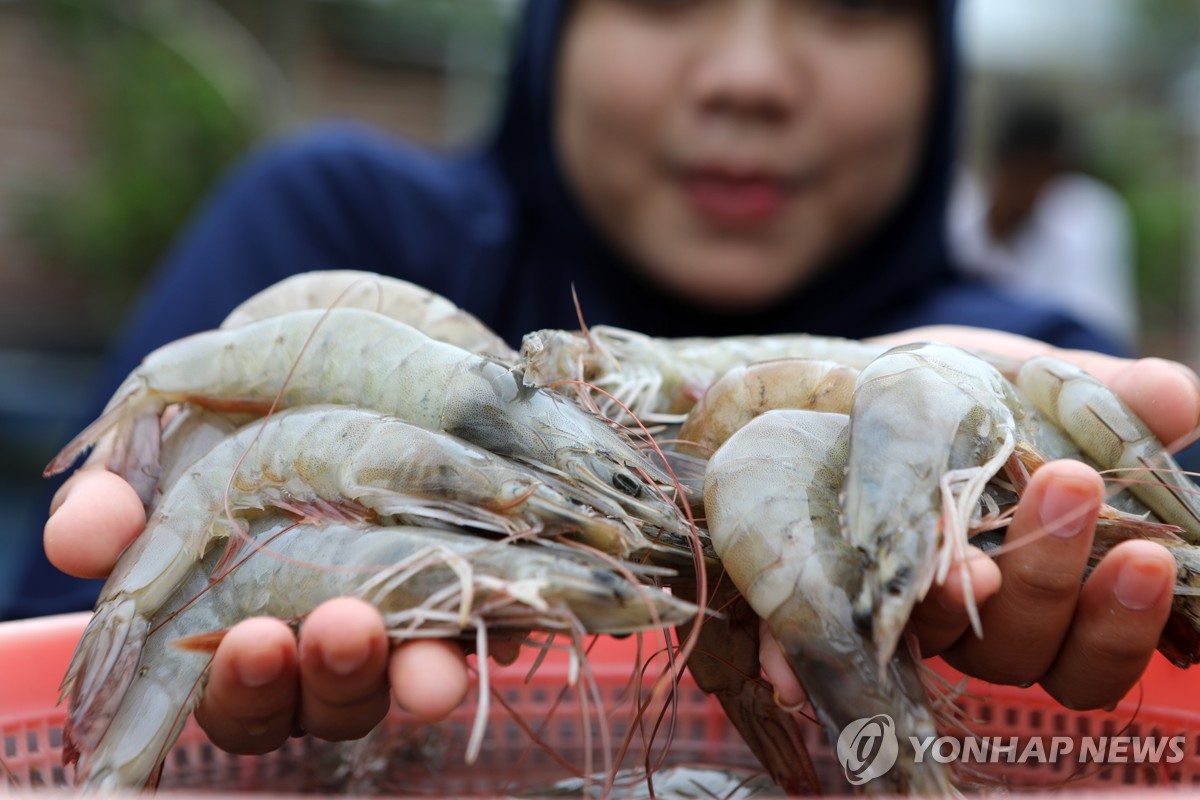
[(1010, 345), (1163, 394), (343, 670), (429, 678), (1122, 610), (93, 518), (775, 666), (941, 619), (1025, 623), (250, 703)]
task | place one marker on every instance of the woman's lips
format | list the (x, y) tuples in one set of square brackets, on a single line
[(742, 201)]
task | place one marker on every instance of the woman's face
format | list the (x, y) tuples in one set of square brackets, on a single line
[(733, 147)]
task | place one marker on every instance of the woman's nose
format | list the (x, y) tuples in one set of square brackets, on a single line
[(748, 67)]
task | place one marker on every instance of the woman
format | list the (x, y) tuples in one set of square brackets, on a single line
[(688, 166)]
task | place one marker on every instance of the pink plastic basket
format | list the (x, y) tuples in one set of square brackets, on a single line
[(428, 760)]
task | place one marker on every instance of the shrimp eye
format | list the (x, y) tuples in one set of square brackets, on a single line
[(896, 585), (626, 484)]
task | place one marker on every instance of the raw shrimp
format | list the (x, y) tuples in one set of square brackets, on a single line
[(661, 379), (186, 437), (428, 312), (426, 582), (322, 463), (771, 493), (1107, 431), (360, 358), (931, 425), (744, 392)]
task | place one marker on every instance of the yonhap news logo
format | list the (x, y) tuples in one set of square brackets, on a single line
[(868, 748)]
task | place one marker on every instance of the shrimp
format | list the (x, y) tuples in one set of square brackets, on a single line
[(360, 358), (771, 494), (661, 379), (931, 425), (426, 582), (428, 312), (323, 463), (1107, 431), (744, 392), (186, 437)]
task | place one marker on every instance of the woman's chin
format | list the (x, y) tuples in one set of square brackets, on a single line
[(731, 292)]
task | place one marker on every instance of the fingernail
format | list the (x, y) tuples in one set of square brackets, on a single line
[(1065, 511), (345, 662), (255, 672), (1139, 585), (256, 727)]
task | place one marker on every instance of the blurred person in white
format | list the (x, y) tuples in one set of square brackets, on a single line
[(1039, 226)]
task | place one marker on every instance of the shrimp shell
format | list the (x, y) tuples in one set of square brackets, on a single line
[(427, 311), (744, 392), (363, 359), (660, 379)]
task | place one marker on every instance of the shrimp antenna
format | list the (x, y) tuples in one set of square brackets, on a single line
[(593, 342), (583, 326)]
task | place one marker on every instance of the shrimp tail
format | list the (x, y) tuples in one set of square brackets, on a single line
[(1179, 642), (205, 643), (100, 673), (135, 439), (726, 664)]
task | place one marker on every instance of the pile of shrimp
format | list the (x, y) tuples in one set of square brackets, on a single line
[(345, 433)]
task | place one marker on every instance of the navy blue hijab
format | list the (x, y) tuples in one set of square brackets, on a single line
[(497, 230), (899, 278), (872, 290)]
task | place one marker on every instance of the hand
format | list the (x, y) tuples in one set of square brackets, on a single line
[(265, 684), (1086, 644)]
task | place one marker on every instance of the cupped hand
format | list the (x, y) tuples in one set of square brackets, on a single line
[(332, 683), (266, 684), (1086, 643)]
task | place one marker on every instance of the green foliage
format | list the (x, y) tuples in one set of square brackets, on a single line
[(1138, 149), (422, 31), (159, 134)]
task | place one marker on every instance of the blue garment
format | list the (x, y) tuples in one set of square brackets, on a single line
[(497, 231)]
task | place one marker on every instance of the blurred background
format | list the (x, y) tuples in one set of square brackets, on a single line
[(117, 115)]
